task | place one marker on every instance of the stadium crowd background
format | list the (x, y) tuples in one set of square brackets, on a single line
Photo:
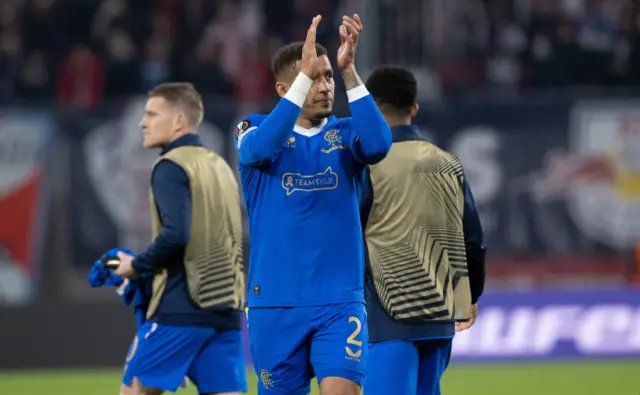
[(81, 52), (535, 96)]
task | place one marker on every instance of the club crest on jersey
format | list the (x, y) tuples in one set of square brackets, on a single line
[(292, 182), (334, 139), (241, 128)]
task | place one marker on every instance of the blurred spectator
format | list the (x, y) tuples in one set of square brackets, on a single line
[(206, 74), (81, 79), (231, 30), (34, 80), (156, 66), (10, 61), (554, 58), (108, 14), (121, 64), (41, 28)]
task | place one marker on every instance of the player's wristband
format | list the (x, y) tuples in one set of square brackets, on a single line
[(297, 94), (357, 93)]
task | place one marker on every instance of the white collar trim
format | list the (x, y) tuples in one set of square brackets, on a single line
[(310, 132)]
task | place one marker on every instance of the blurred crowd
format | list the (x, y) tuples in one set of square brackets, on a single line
[(83, 51), (80, 52), (524, 44)]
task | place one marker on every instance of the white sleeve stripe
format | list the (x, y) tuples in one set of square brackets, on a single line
[(357, 93), (244, 134), (120, 290)]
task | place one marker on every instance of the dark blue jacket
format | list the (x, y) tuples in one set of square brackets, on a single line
[(170, 186), (381, 326)]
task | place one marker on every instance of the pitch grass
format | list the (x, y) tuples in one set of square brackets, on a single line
[(593, 378)]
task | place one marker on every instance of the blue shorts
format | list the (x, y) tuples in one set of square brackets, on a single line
[(162, 355), (130, 353), (407, 367), (289, 346)]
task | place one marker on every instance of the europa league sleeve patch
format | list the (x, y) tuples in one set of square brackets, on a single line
[(242, 127)]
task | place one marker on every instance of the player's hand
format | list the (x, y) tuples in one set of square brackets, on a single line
[(349, 30), (309, 53), (461, 326), (125, 269)]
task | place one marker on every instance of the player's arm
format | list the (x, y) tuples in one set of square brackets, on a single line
[(261, 143), (370, 136), (474, 243), (170, 186)]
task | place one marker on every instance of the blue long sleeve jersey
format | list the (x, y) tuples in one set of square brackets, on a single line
[(301, 188)]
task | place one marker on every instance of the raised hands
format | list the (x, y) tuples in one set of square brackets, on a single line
[(309, 53), (350, 30)]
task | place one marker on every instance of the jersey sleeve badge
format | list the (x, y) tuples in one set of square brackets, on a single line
[(242, 128)]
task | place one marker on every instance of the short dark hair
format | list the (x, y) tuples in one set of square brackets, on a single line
[(393, 89), (184, 95), (286, 57)]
